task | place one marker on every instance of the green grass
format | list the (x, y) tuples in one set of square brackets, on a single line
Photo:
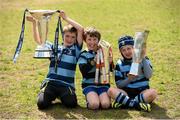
[(19, 83)]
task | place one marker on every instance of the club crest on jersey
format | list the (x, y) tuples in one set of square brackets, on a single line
[(68, 52)]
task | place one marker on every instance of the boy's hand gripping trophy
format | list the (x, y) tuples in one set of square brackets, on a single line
[(139, 46)]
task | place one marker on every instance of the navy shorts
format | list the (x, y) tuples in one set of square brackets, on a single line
[(97, 89), (133, 92)]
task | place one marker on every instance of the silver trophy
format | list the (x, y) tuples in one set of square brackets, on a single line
[(139, 46), (42, 17), (43, 49), (103, 55)]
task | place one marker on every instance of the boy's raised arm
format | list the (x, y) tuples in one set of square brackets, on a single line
[(35, 30), (79, 27)]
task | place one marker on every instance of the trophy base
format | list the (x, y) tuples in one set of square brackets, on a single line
[(134, 69), (42, 53)]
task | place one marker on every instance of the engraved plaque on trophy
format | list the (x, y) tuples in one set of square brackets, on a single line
[(139, 46)]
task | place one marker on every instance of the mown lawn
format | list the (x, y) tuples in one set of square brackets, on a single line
[(19, 83)]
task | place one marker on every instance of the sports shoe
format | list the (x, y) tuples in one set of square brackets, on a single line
[(144, 106), (116, 104)]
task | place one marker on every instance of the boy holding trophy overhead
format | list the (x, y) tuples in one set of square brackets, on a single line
[(94, 64), (60, 84), (132, 90)]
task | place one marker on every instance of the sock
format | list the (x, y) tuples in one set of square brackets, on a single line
[(139, 98), (125, 100)]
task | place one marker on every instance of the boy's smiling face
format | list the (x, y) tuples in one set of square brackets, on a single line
[(127, 51), (69, 38), (92, 42)]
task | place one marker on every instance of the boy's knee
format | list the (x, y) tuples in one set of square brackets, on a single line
[(41, 102), (105, 105), (110, 91), (69, 101), (153, 93), (93, 105), (150, 95)]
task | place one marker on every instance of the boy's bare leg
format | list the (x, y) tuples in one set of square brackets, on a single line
[(104, 100), (149, 95), (92, 100), (114, 92)]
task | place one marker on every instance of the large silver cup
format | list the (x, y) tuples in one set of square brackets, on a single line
[(139, 46), (42, 17)]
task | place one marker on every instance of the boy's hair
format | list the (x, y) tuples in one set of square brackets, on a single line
[(69, 28), (92, 32), (125, 40)]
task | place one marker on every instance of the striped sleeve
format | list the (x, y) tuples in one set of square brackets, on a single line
[(118, 74), (78, 50), (147, 68), (82, 58), (84, 65), (120, 79)]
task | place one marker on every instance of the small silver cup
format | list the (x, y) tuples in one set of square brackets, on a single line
[(104, 53)]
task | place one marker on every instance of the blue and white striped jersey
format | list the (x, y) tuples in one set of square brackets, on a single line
[(68, 57), (122, 69), (87, 69)]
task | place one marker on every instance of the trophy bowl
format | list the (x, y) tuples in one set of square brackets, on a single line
[(42, 17)]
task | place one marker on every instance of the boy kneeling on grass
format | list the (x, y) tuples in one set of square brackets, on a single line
[(61, 84), (95, 93), (131, 91)]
